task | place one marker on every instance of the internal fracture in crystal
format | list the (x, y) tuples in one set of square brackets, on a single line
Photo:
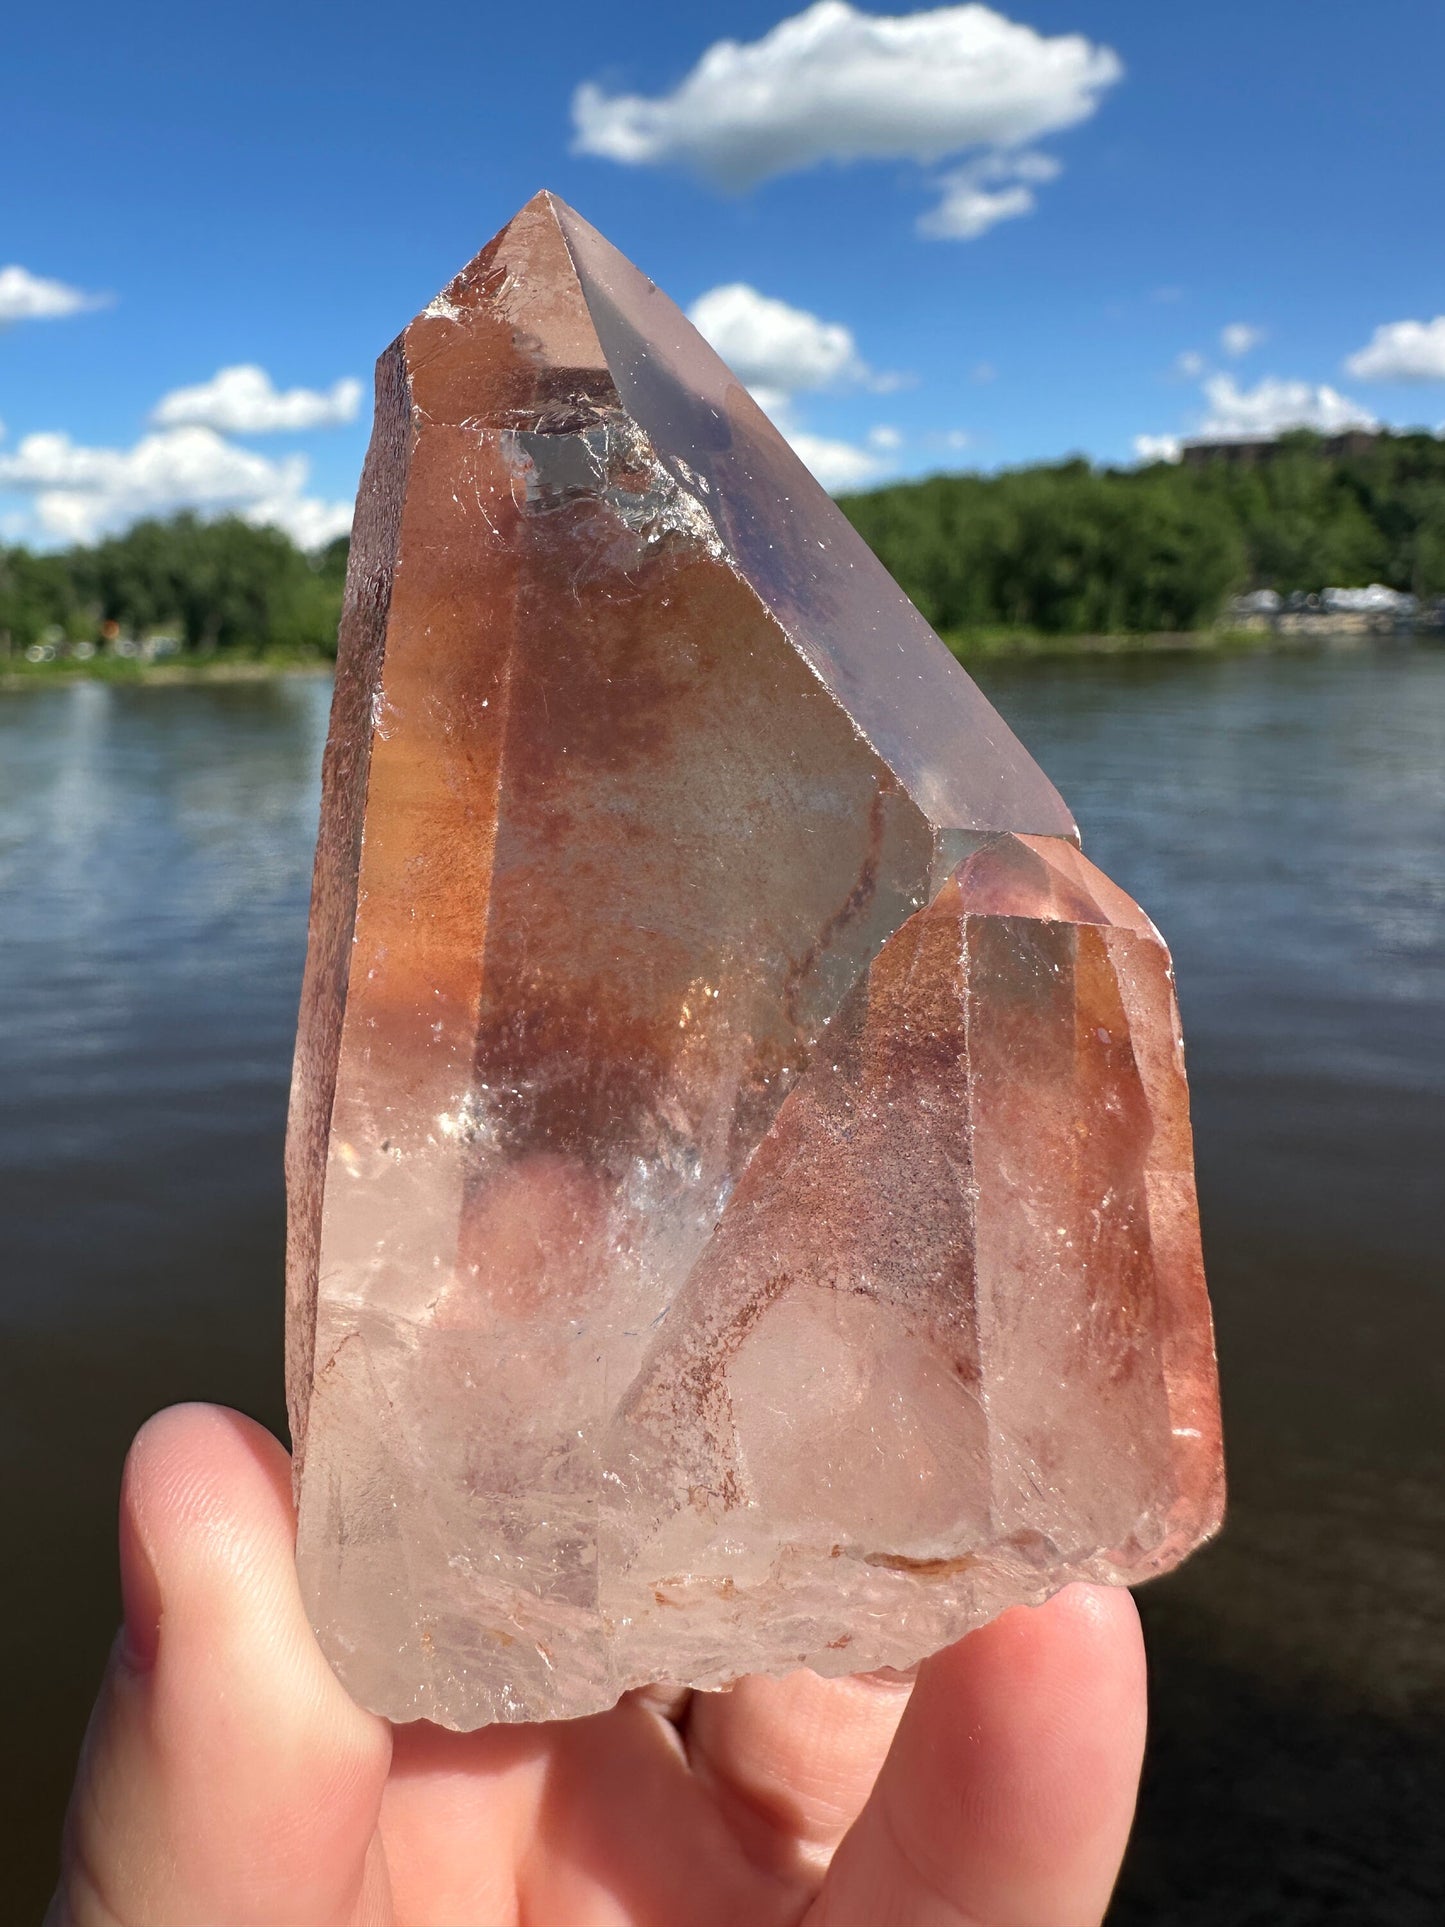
[(742, 1206)]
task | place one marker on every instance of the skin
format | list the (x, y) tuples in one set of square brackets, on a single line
[(228, 1779)]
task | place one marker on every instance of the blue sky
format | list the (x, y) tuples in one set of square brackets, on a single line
[(949, 238)]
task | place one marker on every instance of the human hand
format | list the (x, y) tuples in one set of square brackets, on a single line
[(228, 1780)]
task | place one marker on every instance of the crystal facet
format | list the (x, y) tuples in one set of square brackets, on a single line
[(742, 1207)]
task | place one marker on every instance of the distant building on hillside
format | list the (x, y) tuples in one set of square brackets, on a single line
[(1252, 451), (1336, 612)]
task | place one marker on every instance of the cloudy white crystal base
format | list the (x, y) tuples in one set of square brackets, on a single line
[(945, 1350), (576, 1672)]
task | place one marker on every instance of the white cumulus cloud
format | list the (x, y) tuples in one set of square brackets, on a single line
[(977, 196), (836, 84), (774, 349), (885, 437), (780, 352), (80, 493), (1157, 448), (1239, 337), (245, 401), (1190, 364), (30, 297), (1274, 405), (1402, 351), (837, 465)]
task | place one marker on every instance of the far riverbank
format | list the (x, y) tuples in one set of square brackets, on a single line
[(970, 647), (226, 666)]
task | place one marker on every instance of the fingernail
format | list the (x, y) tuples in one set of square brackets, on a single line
[(140, 1598)]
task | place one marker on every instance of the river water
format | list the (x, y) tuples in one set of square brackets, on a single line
[(1282, 818)]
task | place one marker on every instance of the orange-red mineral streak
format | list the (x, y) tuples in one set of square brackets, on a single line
[(742, 1209)]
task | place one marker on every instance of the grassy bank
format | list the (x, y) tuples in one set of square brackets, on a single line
[(998, 644), (229, 665), (1019, 644), (252, 665)]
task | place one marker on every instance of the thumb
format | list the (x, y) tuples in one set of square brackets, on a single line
[(1007, 1796), (226, 1776)]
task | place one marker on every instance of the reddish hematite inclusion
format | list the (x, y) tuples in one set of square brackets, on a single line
[(742, 1206)]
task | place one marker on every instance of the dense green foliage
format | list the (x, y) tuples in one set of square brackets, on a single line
[(1062, 550), (1077, 550), (1066, 550), (214, 585)]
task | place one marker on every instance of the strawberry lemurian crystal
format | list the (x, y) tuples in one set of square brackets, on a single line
[(742, 1210)]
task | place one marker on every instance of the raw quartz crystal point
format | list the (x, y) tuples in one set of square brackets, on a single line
[(742, 1211)]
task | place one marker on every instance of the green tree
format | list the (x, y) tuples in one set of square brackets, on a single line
[(1066, 548), (38, 593), (1074, 550), (222, 584)]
